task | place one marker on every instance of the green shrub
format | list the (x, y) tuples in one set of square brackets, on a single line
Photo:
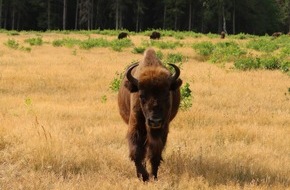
[(94, 42), (174, 58), (285, 66), (13, 33), (263, 44), (68, 42), (204, 48), (179, 36), (246, 63), (139, 50), (11, 43), (57, 43), (34, 41), (186, 97), (166, 44), (269, 62), (115, 84), (226, 51), (118, 44), (159, 54)]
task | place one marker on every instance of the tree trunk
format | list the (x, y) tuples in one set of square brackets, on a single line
[(5, 18), (137, 16), (92, 14), (18, 21), (1, 2), (88, 7), (234, 17), (77, 14), (224, 19), (175, 15), (164, 16), (64, 14), (13, 18), (117, 15), (190, 15), (48, 14), (120, 19)]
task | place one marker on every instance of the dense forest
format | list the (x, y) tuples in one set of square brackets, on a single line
[(233, 16)]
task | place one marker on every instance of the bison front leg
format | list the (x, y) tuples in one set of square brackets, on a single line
[(137, 154), (156, 146)]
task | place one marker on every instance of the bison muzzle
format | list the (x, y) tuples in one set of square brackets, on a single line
[(148, 100)]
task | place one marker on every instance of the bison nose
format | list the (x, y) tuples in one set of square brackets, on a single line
[(155, 122)]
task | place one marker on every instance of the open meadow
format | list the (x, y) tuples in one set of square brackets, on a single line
[(60, 128)]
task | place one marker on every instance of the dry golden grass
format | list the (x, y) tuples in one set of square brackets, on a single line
[(60, 127)]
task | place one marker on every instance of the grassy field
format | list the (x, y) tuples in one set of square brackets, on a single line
[(60, 127)]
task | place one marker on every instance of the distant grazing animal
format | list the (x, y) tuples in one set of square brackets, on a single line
[(276, 34), (123, 35), (155, 35), (223, 35), (148, 100), (288, 33)]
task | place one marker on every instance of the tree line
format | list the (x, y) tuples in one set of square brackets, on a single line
[(232, 16)]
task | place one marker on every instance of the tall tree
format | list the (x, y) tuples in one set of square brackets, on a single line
[(48, 14), (64, 14), (1, 2), (139, 12)]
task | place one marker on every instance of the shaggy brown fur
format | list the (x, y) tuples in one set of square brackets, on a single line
[(147, 107), (223, 35), (123, 35), (155, 35), (276, 34)]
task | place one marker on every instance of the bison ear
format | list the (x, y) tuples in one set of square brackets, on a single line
[(131, 87), (176, 84)]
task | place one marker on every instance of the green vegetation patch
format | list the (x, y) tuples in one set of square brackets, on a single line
[(94, 42), (263, 44), (166, 44), (67, 42), (226, 51), (267, 62), (11, 43), (34, 41), (204, 48), (220, 52)]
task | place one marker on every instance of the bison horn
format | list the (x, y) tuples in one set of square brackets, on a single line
[(177, 72), (129, 75)]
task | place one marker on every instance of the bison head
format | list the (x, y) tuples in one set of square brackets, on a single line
[(154, 86)]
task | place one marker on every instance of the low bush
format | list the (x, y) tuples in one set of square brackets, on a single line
[(175, 58), (263, 44), (94, 42), (118, 44), (138, 50), (166, 44), (34, 41), (204, 48), (226, 52), (67, 42), (246, 63), (115, 84), (269, 62), (186, 97), (11, 43)]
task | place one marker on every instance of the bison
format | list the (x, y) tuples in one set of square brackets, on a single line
[(123, 35), (155, 35), (148, 101), (223, 35), (276, 34)]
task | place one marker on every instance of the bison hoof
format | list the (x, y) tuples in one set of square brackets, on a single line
[(145, 176)]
